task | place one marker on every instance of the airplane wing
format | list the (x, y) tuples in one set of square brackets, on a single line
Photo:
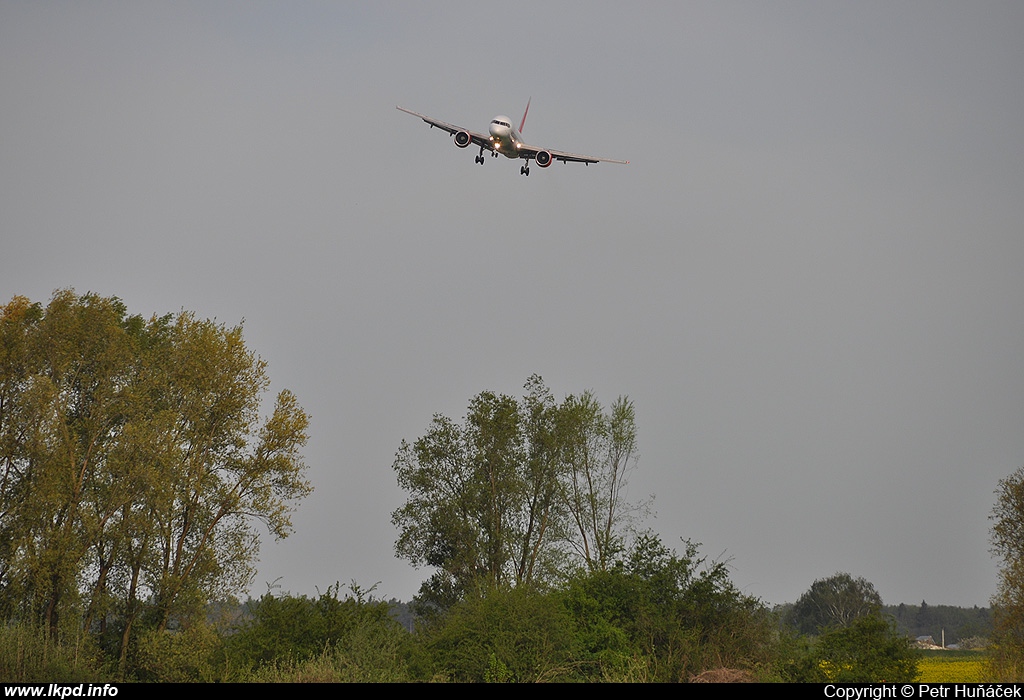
[(478, 139), (530, 153)]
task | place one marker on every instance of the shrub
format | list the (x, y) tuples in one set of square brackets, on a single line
[(29, 655)]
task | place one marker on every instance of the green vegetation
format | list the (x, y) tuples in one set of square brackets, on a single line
[(868, 650), (29, 654), (134, 465), (965, 627), (835, 601), (850, 640), (326, 639), (520, 494), (1008, 604)]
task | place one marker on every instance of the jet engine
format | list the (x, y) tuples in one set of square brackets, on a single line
[(543, 158), (462, 139)]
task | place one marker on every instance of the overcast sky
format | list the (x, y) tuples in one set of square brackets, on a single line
[(808, 278)]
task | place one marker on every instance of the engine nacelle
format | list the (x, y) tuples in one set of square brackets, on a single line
[(543, 158), (463, 139)]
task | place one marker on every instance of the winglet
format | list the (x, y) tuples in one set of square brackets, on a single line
[(523, 123)]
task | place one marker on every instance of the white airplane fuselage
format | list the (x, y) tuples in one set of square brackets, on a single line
[(505, 138)]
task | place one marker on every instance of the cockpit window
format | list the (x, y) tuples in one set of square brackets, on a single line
[(500, 123)]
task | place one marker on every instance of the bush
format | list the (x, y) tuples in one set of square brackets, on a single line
[(29, 655), (179, 656), (507, 635), (869, 650), (678, 613), (370, 652), (323, 639)]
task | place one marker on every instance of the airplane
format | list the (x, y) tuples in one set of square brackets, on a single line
[(503, 138)]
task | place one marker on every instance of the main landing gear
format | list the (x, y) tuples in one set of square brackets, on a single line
[(525, 170), (480, 158)]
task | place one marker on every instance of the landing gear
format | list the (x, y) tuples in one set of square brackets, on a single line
[(525, 170), (480, 158)]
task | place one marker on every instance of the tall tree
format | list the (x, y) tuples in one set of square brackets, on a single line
[(216, 474), (835, 601), (519, 490), (1007, 538), (598, 450), (134, 461), (63, 421)]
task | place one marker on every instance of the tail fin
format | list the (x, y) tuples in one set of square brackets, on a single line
[(523, 123)]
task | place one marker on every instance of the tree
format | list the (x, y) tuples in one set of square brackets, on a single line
[(868, 650), (678, 614), (597, 450), (134, 461), (63, 404), (835, 601), (515, 492), (1007, 538)]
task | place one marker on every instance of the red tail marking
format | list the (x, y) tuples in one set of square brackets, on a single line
[(523, 123)]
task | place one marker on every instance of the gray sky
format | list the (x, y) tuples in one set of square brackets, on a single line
[(808, 279)]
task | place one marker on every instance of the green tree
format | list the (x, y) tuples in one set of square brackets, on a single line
[(868, 650), (835, 601), (677, 613), (63, 405), (1007, 538), (598, 451), (515, 493), (217, 475), (133, 463)]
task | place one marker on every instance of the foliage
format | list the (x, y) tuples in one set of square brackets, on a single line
[(133, 461), (868, 650), (1007, 538), (514, 494), (371, 662), (186, 656), (597, 452), (962, 626), (286, 629), (372, 649), (29, 654), (655, 615), (835, 601), (680, 614), (507, 635)]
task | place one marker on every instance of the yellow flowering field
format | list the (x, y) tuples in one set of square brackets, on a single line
[(952, 667)]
